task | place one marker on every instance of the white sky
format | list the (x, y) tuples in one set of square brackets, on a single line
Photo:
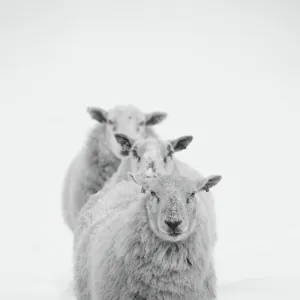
[(226, 73)]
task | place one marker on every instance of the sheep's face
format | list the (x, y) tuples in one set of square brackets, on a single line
[(127, 120), (151, 156), (171, 207), (171, 204)]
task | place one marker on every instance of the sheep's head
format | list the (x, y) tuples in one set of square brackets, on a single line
[(126, 120), (151, 156), (172, 204)]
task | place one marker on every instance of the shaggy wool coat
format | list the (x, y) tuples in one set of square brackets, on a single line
[(118, 257)]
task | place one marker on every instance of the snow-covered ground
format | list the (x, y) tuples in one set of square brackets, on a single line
[(227, 74)]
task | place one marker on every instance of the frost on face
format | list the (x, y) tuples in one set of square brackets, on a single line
[(150, 158)]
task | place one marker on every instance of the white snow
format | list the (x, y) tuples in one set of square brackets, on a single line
[(227, 74)]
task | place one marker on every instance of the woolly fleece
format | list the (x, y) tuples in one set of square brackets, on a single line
[(118, 246)]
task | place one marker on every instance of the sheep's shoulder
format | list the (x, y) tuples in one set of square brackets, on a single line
[(186, 171), (116, 199)]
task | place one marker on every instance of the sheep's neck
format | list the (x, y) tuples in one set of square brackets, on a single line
[(121, 172), (176, 168), (100, 159)]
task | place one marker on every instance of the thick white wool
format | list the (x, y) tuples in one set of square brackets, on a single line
[(117, 242)]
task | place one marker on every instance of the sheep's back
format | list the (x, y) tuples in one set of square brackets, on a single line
[(186, 171), (102, 205)]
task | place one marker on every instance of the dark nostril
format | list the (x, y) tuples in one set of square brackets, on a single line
[(151, 165), (173, 225)]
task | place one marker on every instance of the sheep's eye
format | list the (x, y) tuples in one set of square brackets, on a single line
[(135, 154), (191, 196), (170, 154), (113, 124), (153, 194)]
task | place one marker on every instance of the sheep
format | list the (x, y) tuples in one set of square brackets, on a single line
[(100, 157), (156, 245), (145, 156)]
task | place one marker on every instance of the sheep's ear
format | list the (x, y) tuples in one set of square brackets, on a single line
[(126, 143), (208, 182), (181, 143), (98, 114), (139, 180), (155, 118)]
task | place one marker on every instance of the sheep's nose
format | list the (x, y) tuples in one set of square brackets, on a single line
[(151, 164), (173, 224)]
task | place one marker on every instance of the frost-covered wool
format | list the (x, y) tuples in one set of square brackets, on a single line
[(99, 158), (121, 256)]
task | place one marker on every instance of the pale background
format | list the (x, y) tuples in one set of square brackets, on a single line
[(228, 74)]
